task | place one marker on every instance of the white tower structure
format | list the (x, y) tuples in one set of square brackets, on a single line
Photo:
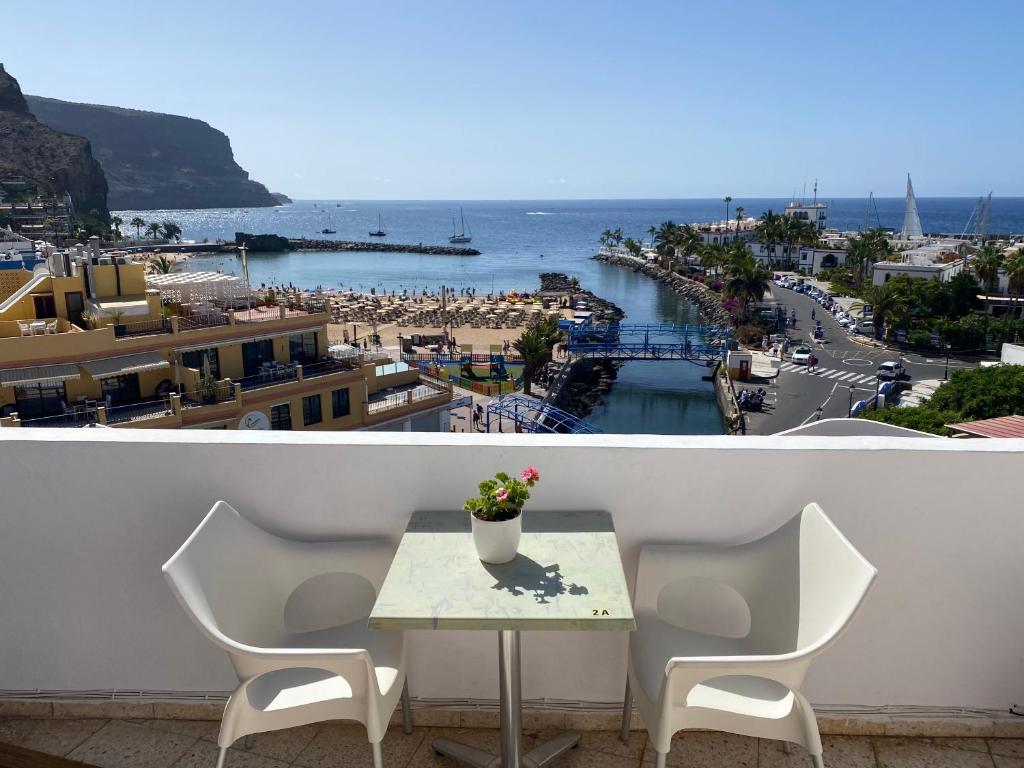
[(911, 221)]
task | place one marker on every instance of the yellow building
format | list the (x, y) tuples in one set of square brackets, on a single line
[(84, 340)]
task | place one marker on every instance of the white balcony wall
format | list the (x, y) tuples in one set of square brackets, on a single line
[(87, 517)]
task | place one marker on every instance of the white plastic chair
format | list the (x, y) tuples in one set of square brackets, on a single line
[(293, 618), (725, 635)]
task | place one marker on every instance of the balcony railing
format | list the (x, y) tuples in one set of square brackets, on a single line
[(221, 392), (397, 400), (190, 320), (143, 328), (151, 409), (78, 417), (326, 367), (291, 308), (269, 377)]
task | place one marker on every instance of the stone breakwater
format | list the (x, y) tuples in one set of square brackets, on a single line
[(277, 243), (604, 310), (707, 301), (305, 244), (587, 381)]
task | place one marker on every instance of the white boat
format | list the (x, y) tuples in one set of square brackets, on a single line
[(460, 236), (380, 231)]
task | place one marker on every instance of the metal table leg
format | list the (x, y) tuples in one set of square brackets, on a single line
[(510, 700)]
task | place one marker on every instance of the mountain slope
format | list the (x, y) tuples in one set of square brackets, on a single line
[(56, 161), (153, 160)]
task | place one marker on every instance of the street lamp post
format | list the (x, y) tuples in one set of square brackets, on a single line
[(878, 385), (946, 376), (849, 412)]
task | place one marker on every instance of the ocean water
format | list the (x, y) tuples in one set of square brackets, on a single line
[(520, 239)]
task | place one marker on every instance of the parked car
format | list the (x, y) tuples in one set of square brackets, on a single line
[(891, 370), (867, 327), (800, 355)]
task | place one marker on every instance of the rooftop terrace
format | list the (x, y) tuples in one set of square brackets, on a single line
[(92, 635)]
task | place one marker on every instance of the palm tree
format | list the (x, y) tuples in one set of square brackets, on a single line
[(115, 225), (687, 240), (739, 217), (712, 257), (889, 302), (771, 230), (864, 251), (617, 236), (746, 281), (161, 265), (171, 230), (986, 265), (138, 222), (665, 236), (535, 346), (1014, 267), (153, 229), (727, 200), (652, 231), (606, 238), (633, 247)]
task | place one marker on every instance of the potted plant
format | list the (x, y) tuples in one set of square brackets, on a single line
[(496, 515), (207, 389), (116, 316)]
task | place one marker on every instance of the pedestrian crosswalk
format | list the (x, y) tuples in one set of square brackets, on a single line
[(845, 376)]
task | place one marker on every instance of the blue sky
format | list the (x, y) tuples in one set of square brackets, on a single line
[(537, 100)]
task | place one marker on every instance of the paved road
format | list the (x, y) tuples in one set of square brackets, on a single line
[(795, 396)]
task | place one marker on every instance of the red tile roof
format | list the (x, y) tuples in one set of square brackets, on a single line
[(1004, 426)]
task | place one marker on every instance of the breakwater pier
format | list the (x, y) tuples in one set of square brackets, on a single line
[(277, 243)]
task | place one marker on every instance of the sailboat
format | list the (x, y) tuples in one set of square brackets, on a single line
[(379, 232), (461, 237)]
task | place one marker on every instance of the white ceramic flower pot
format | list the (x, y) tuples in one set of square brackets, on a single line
[(496, 541)]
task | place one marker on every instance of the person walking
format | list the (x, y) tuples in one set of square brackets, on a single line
[(812, 364)]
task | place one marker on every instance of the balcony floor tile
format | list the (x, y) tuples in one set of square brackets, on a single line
[(203, 754), (840, 752), (54, 737), (120, 744), (1007, 747), (346, 744), (285, 745), (195, 729), (922, 753), (341, 744), (702, 749)]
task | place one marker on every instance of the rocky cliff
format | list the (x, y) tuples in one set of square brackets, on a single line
[(154, 160), (56, 161)]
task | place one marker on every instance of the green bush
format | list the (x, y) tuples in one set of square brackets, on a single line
[(969, 395)]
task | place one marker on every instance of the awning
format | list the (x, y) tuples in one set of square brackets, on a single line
[(39, 374), (117, 366)]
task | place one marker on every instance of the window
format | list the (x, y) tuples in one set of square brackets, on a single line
[(35, 400), (200, 358), (254, 354), (281, 416), (339, 403), (120, 390), (302, 348), (311, 410)]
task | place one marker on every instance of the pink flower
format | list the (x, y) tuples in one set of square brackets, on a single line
[(501, 494), (530, 475)]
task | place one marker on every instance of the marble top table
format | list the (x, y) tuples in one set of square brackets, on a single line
[(567, 576)]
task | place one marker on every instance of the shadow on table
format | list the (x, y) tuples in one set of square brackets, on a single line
[(523, 575)]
